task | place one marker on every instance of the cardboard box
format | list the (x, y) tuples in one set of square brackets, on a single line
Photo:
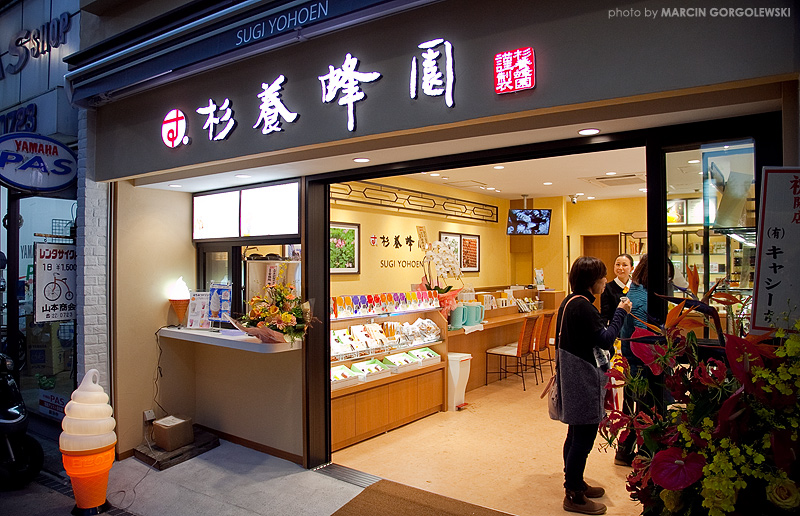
[(172, 432)]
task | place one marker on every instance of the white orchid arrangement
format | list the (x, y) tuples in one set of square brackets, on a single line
[(445, 262)]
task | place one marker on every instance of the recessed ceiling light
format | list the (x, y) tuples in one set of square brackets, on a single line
[(693, 161), (547, 183), (580, 193), (497, 190), (242, 176), (176, 186), (490, 188), (642, 189), (482, 187), (361, 160), (445, 177), (726, 147), (588, 131), (499, 167), (435, 174), (611, 173), (590, 197)]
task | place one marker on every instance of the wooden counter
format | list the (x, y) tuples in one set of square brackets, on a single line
[(502, 327)]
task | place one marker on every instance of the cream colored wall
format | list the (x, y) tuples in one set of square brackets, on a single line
[(550, 251), (603, 217), (154, 247), (248, 395), (494, 256)]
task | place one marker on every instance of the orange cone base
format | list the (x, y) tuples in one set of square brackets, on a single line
[(77, 511), (90, 491)]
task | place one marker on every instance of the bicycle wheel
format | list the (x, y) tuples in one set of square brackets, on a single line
[(52, 291)]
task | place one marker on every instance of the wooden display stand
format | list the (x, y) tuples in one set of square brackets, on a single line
[(370, 408)]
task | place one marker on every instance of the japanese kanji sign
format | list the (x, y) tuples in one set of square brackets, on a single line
[(514, 70), (778, 255), (54, 282)]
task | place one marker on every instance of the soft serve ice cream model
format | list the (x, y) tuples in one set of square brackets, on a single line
[(87, 442)]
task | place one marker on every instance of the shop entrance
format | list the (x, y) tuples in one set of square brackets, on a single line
[(418, 434)]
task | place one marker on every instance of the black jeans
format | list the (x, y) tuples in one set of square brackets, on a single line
[(580, 439)]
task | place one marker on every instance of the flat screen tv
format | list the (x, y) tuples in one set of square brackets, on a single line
[(528, 222)]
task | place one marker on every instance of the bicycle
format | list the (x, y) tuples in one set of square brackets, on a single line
[(52, 291)]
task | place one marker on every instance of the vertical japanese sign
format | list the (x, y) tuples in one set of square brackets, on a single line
[(778, 255), (54, 282)]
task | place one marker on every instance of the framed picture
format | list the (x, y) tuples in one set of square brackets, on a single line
[(451, 240), (345, 248), (292, 252), (676, 211), (470, 253)]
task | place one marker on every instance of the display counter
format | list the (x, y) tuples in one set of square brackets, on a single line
[(232, 340)]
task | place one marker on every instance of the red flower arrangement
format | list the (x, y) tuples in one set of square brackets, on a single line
[(728, 443)]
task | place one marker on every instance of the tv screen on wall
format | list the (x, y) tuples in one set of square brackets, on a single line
[(528, 222)]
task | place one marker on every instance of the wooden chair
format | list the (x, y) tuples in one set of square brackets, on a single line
[(541, 343), (520, 351)]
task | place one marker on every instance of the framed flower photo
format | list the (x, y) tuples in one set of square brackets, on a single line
[(345, 248), (451, 240), (470, 253)]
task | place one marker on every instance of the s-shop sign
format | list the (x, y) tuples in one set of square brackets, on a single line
[(33, 163)]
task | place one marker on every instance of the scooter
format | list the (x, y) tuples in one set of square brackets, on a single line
[(21, 456)]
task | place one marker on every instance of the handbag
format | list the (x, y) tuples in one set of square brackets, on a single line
[(554, 407)]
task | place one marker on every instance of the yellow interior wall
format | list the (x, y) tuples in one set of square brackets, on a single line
[(153, 248), (377, 276), (603, 217), (549, 251)]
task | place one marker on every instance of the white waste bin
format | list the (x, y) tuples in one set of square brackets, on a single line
[(457, 376)]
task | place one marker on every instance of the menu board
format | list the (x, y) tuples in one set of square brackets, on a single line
[(271, 210), (199, 310), (215, 216)]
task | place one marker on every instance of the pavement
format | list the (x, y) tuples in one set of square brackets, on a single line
[(228, 480)]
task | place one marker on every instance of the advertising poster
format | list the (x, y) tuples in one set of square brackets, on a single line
[(198, 311), (54, 282), (219, 302), (777, 252)]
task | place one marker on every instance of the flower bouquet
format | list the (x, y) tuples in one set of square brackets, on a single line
[(728, 441), (440, 262), (276, 316)]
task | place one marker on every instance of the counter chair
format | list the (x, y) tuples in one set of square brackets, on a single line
[(541, 343), (519, 351)]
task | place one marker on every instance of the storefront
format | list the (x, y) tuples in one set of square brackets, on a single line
[(38, 131), (203, 121)]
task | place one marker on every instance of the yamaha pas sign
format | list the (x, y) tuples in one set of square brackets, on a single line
[(33, 163)]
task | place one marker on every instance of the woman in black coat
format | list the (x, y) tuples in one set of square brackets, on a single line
[(581, 380)]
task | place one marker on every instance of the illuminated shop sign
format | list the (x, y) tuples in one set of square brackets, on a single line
[(36, 43), (514, 70), (342, 85), (34, 163)]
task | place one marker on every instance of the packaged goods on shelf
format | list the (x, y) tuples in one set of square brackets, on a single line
[(364, 305), (426, 356), (391, 329), (376, 332), (342, 376), (370, 370), (401, 362), (422, 331), (359, 331)]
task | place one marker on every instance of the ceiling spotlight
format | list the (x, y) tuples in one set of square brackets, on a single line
[(611, 173), (573, 199), (435, 174), (547, 183), (242, 176), (490, 188), (499, 167), (445, 177), (590, 197), (580, 193), (361, 160), (693, 161), (176, 186), (588, 131)]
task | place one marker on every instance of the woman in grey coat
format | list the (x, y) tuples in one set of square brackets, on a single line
[(581, 379)]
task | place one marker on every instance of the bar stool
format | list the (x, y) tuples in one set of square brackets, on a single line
[(519, 350), (541, 343)]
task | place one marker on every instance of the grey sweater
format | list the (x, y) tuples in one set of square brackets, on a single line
[(581, 383)]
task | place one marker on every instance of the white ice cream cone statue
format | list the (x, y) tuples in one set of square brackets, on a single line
[(87, 443), (179, 299)]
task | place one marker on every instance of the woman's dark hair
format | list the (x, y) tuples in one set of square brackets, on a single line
[(585, 272), (625, 255), (639, 275)]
